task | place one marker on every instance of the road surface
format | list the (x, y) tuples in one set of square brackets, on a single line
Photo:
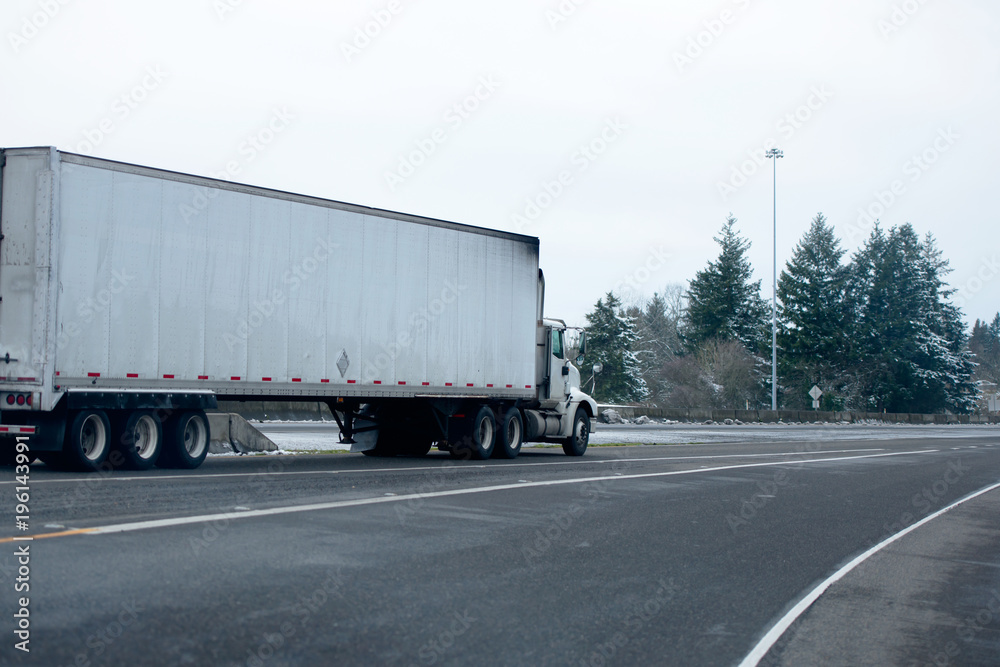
[(656, 554)]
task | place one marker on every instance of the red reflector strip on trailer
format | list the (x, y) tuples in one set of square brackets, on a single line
[(235, 378), (265, 379), (426, 384), (325, 381), (489, 386), (296, 379), (352, 382), (402, 382), (447, 384), (470, 385), (527, 386), (202, 377), (93, 375), (25, 379), (25, 430), (378, 382), (168, 377), (132, 375), (510, 386)]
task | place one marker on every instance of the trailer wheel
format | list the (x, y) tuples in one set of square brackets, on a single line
[(576, 444), (388, 443), (510, 436), (480, 437), (417, 445), (185, 442), (8, 457), (88, 440), (139, 437)]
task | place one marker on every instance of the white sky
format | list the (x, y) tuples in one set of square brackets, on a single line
[(228, 69)]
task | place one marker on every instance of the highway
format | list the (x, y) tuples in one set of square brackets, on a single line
[(721, 553)]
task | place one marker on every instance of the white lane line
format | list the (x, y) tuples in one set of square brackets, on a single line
[(274, 511), (768, 641), (455, 467)]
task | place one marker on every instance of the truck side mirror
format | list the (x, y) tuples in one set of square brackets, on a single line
[(583, 348)]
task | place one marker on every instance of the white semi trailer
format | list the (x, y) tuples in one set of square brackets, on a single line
[(132, 299)]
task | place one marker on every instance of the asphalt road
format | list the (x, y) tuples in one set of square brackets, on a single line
[(671, 554)]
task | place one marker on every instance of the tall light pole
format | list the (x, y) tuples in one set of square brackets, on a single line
[(774, 154)]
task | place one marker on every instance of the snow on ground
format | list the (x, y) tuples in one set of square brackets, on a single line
[(303, 436), (324, 436)]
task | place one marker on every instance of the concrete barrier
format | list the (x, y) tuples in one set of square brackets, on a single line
[(233, 433), (278, 410)]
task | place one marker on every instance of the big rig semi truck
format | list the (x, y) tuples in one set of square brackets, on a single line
[(132, 299)]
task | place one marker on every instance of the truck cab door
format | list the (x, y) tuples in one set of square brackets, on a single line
[(559, 387)]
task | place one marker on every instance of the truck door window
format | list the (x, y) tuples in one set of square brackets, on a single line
[(557, 344)]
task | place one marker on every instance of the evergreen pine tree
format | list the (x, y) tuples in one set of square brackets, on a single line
[(908, 342), (813, 315), (882, 292), (722, 301), (989, 357), (656, 323), (611, 340), (943, 361)]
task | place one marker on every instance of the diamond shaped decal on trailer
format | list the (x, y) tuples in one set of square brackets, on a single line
[(343, 363)]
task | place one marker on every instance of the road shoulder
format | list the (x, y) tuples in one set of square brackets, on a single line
[(931, 598)]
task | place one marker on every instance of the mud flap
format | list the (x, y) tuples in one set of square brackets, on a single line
[(365, 435)]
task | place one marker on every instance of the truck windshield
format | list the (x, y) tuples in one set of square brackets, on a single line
[(557, 344)]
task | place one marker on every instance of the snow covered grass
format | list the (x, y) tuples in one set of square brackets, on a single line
[(323, 437)]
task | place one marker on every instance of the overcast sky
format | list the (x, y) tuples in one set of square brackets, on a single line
[(620, 133)]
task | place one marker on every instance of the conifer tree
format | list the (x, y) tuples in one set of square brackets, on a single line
[(908, 345), (813, 316), (723, 303), (611, 339), (658, 342)]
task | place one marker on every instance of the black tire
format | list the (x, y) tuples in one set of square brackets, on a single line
[(88, 441), (576, 444), (8, 455), (510, 435), (185, 440), (389, 443), (417, 445), (138, 437), (381, 451), (480, 436), (53, 460)]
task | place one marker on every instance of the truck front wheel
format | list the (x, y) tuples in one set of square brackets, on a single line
[(88, 440), (576, 444)]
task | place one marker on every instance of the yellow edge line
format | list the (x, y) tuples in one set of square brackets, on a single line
[(65, 533)]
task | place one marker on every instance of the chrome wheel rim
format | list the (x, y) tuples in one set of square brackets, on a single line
[(194, 437), (144, 437), (93, 437)]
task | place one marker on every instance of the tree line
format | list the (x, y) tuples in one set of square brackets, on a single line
[(876, 333)]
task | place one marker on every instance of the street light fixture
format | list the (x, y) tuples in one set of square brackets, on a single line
[(774, 154)]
